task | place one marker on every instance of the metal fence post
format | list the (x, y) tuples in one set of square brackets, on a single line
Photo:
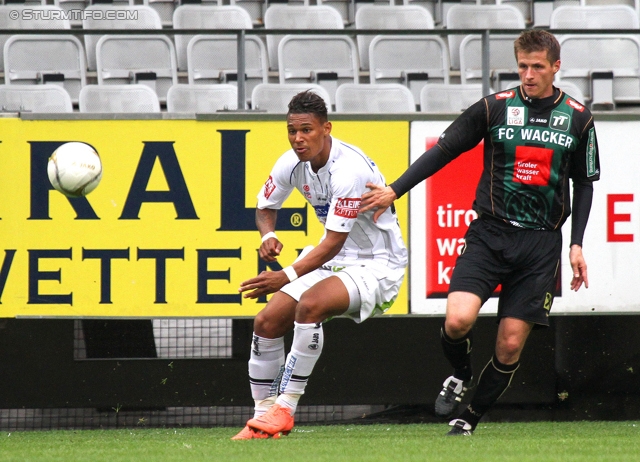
[(486, 77), (241, 71)]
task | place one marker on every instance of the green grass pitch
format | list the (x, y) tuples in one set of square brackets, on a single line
[(531, 441)]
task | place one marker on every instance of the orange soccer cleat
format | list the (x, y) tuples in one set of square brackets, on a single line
[(278, 420), (248, 433)]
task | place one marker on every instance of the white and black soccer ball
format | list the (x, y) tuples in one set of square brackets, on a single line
[(75, 169)]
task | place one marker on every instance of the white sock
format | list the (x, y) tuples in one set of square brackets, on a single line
[(265, 369), (305, 351), (262, 405), (289, 400)]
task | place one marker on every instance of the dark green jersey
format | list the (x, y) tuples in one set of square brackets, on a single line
[(532, 147)]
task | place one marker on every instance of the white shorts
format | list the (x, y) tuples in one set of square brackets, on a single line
[(372, 287)]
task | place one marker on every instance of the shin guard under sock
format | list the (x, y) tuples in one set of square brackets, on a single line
[(305, 351), (494, 380), (458, 352), (266, 364)]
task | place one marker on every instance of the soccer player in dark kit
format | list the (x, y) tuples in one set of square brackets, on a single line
[(536, 139)]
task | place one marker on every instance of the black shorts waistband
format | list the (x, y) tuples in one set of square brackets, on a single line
[(509, 224), (493, 219)]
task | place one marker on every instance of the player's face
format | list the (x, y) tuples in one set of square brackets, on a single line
[(309, 138), (537, 73)]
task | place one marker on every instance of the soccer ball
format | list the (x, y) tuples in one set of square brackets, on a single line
[(75, 169)]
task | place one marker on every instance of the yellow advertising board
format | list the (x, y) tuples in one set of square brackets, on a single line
[(170, 230)]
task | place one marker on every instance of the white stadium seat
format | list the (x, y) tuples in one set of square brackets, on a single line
[(388, 17), (465, 16), (413, 60), (297, 17), (200, 99), (275, 97), (213, 59), (206, 17), (39, 59), (35, 98), (382, 98), (118, 99), (449, 98), (144, 59), (134, 17), (328, 60)]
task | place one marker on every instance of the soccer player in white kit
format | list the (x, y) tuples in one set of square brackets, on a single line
[(356, 270)]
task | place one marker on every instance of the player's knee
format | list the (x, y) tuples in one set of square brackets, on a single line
[(508, 350), (267, 327), (457, 326), (310, 309)]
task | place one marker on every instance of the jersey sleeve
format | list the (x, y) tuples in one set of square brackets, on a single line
[(348, 187), (278, 186), (585, 163), (466, 131)]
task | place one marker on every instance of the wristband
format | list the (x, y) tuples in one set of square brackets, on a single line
[(291, 273), (269, 235)]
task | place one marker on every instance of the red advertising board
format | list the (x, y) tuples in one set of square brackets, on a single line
[(449, 196)]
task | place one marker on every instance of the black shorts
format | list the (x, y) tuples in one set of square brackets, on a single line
[(526, 263)]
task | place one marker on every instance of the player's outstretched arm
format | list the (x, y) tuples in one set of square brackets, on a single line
[(579, 268), (378, 198), (269, 282), (266, 222)]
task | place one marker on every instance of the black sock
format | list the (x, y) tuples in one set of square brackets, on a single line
[(494, 380), (458, 352)]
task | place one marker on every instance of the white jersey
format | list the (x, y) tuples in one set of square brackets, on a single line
[(335, 193)]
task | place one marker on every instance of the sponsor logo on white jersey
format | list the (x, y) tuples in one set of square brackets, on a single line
[(347, 207), (269, 187)]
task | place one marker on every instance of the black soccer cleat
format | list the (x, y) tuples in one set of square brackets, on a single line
[(460, 428), (450, 397)]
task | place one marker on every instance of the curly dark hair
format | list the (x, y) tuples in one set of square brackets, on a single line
[(308, 102), (532, 40)]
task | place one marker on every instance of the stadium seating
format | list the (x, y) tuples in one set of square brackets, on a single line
[(502, 62), (594, 17), (135, 17), (148, 60), (198, 99), (297, 17), (465, 16), (434, 7), (615, 58), (118, 98), (632, 3), (571, 89), (411, 60), (213, 59), (39, 59), (206, 17), (255, 8), (68, 5), (449, 98), (35, 98), (440, 9), (275, 97), (383, 98), (346, 8), (164, 8), (36, 20), (328, 60), (388, 17)]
